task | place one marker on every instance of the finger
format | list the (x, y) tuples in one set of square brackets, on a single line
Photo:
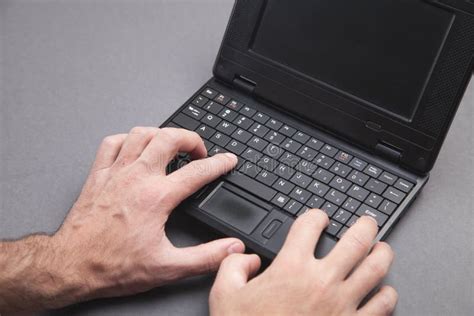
[(167, 143), (234, 272), (304, 234), (383, 303), (207, 257), (136, 141), (352, 248), (198, 173), (108, 151), (370, 272)]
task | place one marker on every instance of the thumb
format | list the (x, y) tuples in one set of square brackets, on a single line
[(206, 258), (234, 273)]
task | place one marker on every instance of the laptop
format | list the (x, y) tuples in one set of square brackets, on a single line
[(339, 105)]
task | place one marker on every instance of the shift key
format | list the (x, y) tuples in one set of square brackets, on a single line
[(394, 195)]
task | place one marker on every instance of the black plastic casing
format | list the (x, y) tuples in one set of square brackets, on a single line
[(413, 144)]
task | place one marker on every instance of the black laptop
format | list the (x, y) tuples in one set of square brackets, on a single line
[(340, 105)]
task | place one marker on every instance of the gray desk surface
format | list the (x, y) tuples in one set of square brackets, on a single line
[(73, 72)]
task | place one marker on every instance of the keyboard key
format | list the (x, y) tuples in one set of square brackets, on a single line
[(301, 137), (352, 220), (273, 151), (267, 163), (250, 169), (373, 200), (394, 195), (287, 130), (220, 139), (301, 180), (200, 101), (242, 135), (340, 169), (324, 161), (252, 155), (259, 130), (211, 120), (307, 153), (378, 216), (343, 157), (351, 205), (342, 216), (291, 145), (336, 197), (216, 150), (284, 171), (280, 200), (328, 150), (274, 137), (209, 93), (323, 175), (283, 186), (387, 207), (235, 105), (373, 171), (186, 122), (358, 192), (388, 178), (376, 186), (358, 164), (257, 143), (205, 132), (235, 147), (293, 207), (306, 167), (315, 144), (329, 208), (222, 99), (261, 118), (289, 159), (247, 111), (228, 114), (274, 124), (318, 188), (303, 210), (340, 184), (315, 202), (404, 185), (267, 178), (213, 107), (208, 145), (243, 122), (300, 195), (251, 185), (358, 177), (333, 228), (342, 232), (194, 112)]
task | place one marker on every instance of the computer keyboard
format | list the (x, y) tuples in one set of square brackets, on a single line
[(289, 168)]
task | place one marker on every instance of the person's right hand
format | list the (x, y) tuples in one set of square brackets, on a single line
[(297, 283)]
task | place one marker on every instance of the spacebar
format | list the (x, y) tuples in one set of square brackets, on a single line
[(250, 185)]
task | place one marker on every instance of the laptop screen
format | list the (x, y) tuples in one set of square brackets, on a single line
[(383, 60)]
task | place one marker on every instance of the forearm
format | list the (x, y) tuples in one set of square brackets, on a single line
[(34, 275)]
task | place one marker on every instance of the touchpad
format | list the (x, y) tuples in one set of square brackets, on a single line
[(234, 210)]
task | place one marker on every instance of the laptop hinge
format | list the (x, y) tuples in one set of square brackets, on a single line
[(389, 152), (244, 84)]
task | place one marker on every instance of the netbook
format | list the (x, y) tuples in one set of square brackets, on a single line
[(340, 105)]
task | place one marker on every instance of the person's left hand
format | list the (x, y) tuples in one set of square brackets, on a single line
[(113, 242)]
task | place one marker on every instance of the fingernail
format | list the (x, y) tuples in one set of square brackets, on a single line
[(231, 156), (236, 247), (371, 218)]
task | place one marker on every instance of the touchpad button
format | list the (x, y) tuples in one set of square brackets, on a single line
[(234, 210)]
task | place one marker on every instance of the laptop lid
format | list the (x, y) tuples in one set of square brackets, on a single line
[(386, 75)]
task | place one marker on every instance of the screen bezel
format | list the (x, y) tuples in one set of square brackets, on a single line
[(339, 114)]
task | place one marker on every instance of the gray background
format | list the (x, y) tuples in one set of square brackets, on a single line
[(73, 72)]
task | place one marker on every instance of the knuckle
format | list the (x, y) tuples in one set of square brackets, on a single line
[(387, 249), (378, 268), (110, 141), (139, 130), (359, 242)]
